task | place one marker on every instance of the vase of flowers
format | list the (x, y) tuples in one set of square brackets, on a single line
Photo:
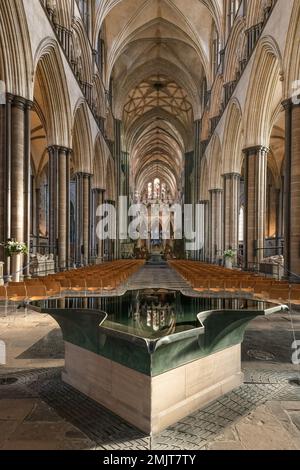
[(229, 256), (14, 250)]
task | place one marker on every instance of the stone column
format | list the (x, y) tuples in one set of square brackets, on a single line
[(86, 218), (188, 169), (232, 183), (255, 207), (59, 204), (68, 208), (109, 245), (63, 207), (53, 199), (15, 165), (79, 219), (197, 156), (3, 179), (17, 168), (204, 253), (37, 215), (216, 235), (99, 201), (27, 185), (292, 191)]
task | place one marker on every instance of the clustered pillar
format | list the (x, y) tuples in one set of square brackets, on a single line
[(204, 253), (15, 173), (232, 182), (83, 226), (292, 191), (216, 238), (255, 195), (100, 244), (59, 205)]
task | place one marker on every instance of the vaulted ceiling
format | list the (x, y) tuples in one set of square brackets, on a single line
[(158, 52)]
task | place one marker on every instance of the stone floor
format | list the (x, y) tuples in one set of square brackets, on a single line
[(39, 411)]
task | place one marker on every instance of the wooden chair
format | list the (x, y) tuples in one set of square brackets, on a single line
[(36, 292), (295, 295), (279, 294), (17, 293), (3, 293)]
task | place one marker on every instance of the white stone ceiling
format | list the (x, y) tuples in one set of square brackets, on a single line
[(158, 52)]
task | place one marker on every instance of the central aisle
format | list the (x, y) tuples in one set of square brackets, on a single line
[(158, 277)]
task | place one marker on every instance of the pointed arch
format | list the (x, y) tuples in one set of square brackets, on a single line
[(52, 90), (216, 97), (204, 181), (264, 92), (17, 61), (215, 163), (100, 164), (232, 140), (235, 50), (81, 53), (292, 54), (110, 194), (82, 139)]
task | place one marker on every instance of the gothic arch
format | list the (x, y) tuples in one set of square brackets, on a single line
[(81, 53), (51, 87), (82, 140), (264, 93), (60, 11), (215, 163), (110, 194), (232, 140), (292, 53), (100, 164), (17, 62), (235, 50), (254, 12), (217, 95), (204, 181)]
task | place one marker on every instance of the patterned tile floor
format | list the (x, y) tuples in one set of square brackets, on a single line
[(39, 411)]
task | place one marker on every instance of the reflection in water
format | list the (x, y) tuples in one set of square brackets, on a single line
[(152, 313)]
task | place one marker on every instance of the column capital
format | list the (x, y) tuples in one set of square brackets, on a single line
[(17, 101), (204, 202), (255, 150), (288, 104), (216, 191), (59, 149), (98, 190), (231, 175), (82, 174)]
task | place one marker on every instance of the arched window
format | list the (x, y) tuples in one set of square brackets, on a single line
[(164, 192), (156, 192)]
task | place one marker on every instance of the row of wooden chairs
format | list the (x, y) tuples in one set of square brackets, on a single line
[(209, 279), (105, 277)]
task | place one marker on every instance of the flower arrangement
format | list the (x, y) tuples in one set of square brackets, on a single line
[(229, 254), (12, 247)]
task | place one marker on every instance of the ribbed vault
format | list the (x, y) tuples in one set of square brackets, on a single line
[(158, 55)]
